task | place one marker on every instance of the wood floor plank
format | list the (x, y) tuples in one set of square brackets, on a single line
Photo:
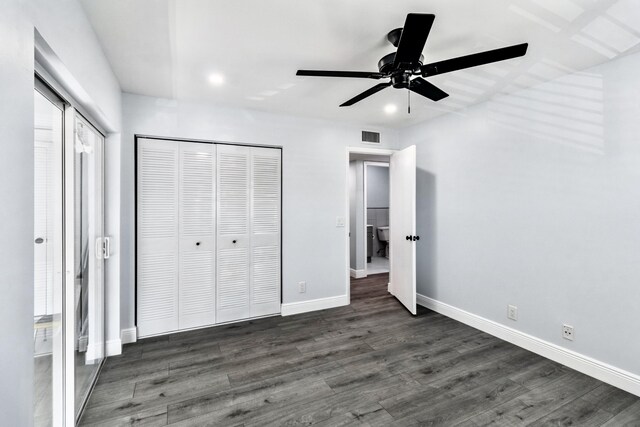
[(629, 417), (537, 403), (369, 363), (451, 408), (284, 385), (154, 416), (610, 399), (578, 412), (259, 409), (314, 411)]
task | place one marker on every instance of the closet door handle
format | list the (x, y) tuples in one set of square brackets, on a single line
[(197, 243), (234, 241)]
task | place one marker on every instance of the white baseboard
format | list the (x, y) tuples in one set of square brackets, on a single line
[(357, 274), (604, 372), (114, 347), (313, 305), (129, 335), (94, 351)]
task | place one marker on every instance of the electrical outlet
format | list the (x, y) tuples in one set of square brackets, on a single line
[(568, 333), (512, 312), (302, 287)]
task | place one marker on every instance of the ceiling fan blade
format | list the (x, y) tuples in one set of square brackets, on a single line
[(366, 93), (356, 74), (424, 88), (474, 60), (414, 35)]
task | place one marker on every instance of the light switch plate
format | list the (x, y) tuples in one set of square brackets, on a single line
[(340, 221)]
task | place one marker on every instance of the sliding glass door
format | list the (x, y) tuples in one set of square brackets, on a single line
[(48, 257), (69, 251), (88, 258)]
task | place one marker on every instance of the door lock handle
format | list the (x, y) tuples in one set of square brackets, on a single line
[(413, 238)]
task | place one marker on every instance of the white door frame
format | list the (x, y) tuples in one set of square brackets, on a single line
[(349, 151)]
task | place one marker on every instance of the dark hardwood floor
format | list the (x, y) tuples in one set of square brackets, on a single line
[(370, 363)]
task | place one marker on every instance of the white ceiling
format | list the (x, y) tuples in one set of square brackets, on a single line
[(168, 48)]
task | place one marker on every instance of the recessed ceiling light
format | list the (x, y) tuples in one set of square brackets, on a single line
[(216, 79), (390, 108)]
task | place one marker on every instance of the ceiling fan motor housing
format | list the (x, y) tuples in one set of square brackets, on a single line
[(399, 77)]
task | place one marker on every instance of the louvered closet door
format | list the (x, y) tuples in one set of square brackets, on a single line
[(233, 295), (265, 231), (197, 235), (157, 237)]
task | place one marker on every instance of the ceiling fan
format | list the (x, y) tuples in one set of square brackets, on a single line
[(407, 61)]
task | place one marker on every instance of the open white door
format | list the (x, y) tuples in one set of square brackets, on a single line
[(402, 227)]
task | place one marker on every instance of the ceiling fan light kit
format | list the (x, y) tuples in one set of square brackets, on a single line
[(405, 68)]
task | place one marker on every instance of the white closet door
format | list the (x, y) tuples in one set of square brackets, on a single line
[(265, 231), (197, 235), (233, 295), (157, 242)]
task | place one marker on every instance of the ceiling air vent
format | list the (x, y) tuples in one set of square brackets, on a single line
[(370, 137)]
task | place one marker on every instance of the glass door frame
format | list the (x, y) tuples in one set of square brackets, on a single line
[(58, 352), (65, 413), (95, 248)]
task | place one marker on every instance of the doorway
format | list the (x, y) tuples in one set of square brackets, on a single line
[(381, 201), (368, 214)]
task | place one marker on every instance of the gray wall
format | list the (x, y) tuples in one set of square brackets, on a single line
[(356, 214), (533, 199), (377, 186), (314, 178), (16, 216), (77, 48)]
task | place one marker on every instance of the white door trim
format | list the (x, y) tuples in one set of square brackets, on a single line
[(348, 151)]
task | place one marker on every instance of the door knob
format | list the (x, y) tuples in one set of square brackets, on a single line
[(39, 240), (234, 241), (197, 243), (416, 238), (408, 237)]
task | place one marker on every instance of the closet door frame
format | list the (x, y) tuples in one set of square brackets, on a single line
[(137, 138)]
